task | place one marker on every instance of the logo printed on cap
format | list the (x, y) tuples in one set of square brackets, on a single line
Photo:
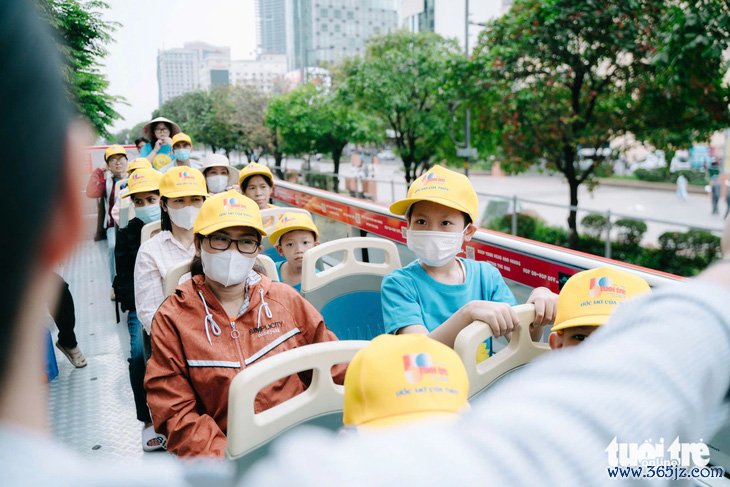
[(599, 285), (137, 175), (185, 175), (232, 203), (286, 219), (432, 178), (417, 365)]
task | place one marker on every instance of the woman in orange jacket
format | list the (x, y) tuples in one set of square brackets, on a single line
[(224, 319)]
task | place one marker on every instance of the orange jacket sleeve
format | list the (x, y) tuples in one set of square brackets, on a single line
[(172, 400)]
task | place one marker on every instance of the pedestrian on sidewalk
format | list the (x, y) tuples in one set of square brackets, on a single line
[(682, 187)]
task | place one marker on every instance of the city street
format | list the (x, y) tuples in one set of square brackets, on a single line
[(630, 202)]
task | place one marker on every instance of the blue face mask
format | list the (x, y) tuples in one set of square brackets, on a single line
[(182, 154), (148, 214)]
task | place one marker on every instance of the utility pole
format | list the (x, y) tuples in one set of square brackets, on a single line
[(467, 152)]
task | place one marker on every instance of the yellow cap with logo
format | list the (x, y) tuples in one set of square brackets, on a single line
[(113, 150), (254, 169), (138, 163), (226, 210), (181, 137), (404, 378), (289, 222), (589, 298), (442, 186), (182, 181), (143, 180), (160, 161)]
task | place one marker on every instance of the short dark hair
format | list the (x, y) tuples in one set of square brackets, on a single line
[(140, 139), (244, 183), (31, 89)]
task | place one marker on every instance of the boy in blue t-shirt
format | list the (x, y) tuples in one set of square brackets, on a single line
[(439, 293), (294, 234)]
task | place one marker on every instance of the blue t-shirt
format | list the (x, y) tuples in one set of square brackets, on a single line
[(165, 149), (297, 287), (411, 297)]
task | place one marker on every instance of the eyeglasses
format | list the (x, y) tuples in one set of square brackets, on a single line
[(246, 245)]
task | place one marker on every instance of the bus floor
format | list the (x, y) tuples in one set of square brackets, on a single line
[(91, 410)]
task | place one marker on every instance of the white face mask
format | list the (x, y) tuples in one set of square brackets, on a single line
[(184, 217), (434, 249), (228, 268), (217, 183)]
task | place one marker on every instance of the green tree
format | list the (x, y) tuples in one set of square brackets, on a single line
[(85, 35), (254, 137), (403, 80), (127, 136), (554, 75)]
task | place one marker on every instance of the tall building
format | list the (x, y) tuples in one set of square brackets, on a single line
[(265, 73), (447, 17), (271, 23), (181, 70), (320, 32)]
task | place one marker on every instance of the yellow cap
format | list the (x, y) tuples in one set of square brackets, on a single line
[(160, 161), (114, 150), (181, 137), (182, 181), (228, 209), (442, 186), (143, 180), (291, 221), (588, 298), (403, 378), (138, 163), (253, 169)]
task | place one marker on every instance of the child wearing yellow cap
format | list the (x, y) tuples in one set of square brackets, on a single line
[(404, 379), (588, 299), (440, 293), (182, 145), (226, 318), (294, 234), (143, 188), (257, 182)]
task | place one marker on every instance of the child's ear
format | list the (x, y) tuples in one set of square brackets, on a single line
[(279, 249), (471, 229), (316, 242), (555, 340)]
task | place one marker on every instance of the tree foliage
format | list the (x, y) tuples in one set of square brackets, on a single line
[(403, 80), (85, 35), (551, 76)]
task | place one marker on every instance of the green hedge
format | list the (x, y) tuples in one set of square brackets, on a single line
[(681, 253)]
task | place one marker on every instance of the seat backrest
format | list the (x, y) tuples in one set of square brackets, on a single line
[(172, 278), (348, 294), (268, 265), (149, 230), (520, 351), (249, 431)]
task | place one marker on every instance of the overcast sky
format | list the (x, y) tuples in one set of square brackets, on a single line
[(149, 25)]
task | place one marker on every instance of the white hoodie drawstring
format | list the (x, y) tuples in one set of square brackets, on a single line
[(209, 320), (266, 308)]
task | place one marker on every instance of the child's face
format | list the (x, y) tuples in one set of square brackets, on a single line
[(570, 337), (145, 199), (292, 246), (258, 189), (433, 217), (117, 164)]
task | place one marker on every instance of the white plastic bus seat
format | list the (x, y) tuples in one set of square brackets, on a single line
[(322, 402), (270, 216), (520, 350), (348, 294), (149, 230), (173, 276), (268, 265)]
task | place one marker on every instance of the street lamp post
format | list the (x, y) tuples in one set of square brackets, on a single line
[(467, 117)]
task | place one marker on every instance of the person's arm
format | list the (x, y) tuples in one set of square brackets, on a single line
[(148, 287), (658, 369), (172, 399)]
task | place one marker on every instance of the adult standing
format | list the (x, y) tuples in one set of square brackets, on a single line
[(159, 131)]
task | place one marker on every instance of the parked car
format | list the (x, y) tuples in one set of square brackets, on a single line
[(652, 160), (680, 161), (385, 155), (586, 155)]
